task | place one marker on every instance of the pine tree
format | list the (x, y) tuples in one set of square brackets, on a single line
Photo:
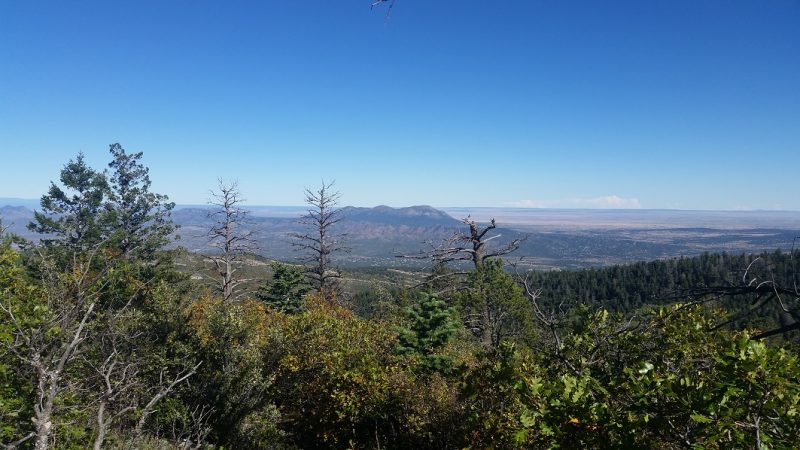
[(140, 218), (493, 305), (72, 217), (431, 326), (286, 290)]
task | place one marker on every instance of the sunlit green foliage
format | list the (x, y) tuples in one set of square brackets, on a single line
[(138, 220), (431, 325), (667, 383), (18, 294), (493, 306), (337, 379), (72, 215), (285, 291), (232, 341)]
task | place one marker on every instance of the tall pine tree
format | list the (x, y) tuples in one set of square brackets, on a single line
[(431, 326)]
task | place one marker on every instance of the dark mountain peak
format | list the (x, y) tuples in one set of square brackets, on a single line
[(410, 215), (425, 210), (29, 203)]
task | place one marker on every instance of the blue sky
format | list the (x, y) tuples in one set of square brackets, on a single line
[(653, 104)]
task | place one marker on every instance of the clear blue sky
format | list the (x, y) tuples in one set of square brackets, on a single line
[(657, 104)]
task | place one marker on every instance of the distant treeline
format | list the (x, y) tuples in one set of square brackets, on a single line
[(629, 287)]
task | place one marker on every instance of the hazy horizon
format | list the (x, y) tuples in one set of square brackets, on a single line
[(28, 202)]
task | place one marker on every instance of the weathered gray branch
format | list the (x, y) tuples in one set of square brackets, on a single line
[(165, 388), (471, 246), (320, 242), (229, 236)]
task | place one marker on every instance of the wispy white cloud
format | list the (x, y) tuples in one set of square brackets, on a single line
[(607, 202)]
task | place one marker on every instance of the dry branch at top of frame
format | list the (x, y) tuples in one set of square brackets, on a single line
[(380, 2)]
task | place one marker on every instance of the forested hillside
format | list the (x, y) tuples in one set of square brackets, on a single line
[(108, 343), (627, 288)]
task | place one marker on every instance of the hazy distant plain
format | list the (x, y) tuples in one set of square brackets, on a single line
[(605, 219)]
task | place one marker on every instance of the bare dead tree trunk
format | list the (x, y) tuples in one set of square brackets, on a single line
[(102, 424), (229, 237), (320, 242), (474, 244)]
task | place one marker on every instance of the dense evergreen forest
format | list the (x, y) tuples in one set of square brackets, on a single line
[(627, 288), (106, 344)]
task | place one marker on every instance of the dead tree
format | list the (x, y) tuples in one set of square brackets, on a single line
[(229, 237), (470, 246), (320, 242)]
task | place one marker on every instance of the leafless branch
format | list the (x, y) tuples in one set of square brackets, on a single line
[(165, 387), (229, 236), (192, 435), (471, 246), (321, 242), (380, 2), (18, 442), (760, 290)]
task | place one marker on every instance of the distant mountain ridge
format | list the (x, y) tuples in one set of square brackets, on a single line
[(373, 234), (16, 212), (17, 218), (419, 214), (557, 239), (13, 201)]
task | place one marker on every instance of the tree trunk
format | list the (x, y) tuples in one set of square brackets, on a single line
[(101, 426), (48, 384)]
